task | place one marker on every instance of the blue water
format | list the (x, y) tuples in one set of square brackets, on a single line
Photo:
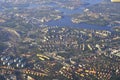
[(92, 1), (65, 21)]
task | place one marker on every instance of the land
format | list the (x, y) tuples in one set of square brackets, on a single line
[(30, 49), (68, 53), (102, 14)]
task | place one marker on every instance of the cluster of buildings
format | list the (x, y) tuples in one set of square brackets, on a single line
[(13, 61), (91, 70), (60, 39), (71, 53), (56, 53)]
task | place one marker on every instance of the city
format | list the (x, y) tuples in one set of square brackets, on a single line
[(37, 44)]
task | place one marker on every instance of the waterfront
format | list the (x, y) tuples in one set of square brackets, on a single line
[(59, 40), (66, 15)]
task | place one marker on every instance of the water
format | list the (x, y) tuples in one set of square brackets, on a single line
[(65, 21), (92, 1)]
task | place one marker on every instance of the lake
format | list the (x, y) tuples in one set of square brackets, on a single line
[(65, 21)]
